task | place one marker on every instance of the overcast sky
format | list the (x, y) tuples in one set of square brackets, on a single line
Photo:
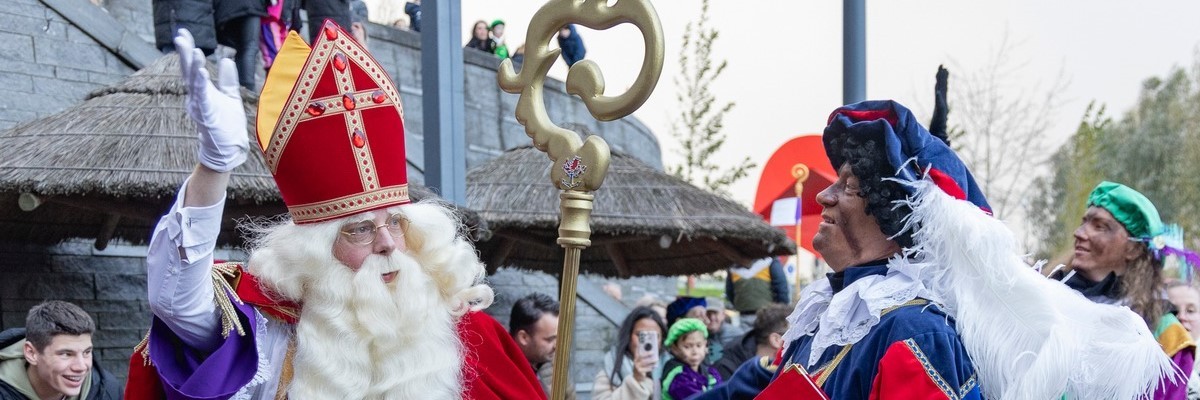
[(785, 56)]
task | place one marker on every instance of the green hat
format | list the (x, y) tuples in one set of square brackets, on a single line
[(1130, 208), (685, 326), (496, 22)]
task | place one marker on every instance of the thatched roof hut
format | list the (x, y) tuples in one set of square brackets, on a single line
[(110, 166), (644, 222)]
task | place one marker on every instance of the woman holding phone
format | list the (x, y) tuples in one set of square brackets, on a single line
[(629, 368)]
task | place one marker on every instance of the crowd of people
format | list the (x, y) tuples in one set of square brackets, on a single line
[(489, 38), (250, 28), (253, 31), (363, 293)]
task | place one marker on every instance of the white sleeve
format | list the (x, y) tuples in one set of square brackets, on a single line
[(179, 272)]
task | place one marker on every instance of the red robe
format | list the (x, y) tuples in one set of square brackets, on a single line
[(493, 366)]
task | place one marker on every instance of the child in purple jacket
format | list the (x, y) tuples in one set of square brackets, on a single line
[(686, 373)]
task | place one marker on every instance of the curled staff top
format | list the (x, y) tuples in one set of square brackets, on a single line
[(584, 163)]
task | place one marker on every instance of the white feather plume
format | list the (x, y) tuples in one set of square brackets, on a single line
[(1029, 337)]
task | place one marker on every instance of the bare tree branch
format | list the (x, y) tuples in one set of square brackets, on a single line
[(1003, 125), (702, 116)]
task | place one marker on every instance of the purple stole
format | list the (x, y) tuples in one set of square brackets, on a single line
[(186, 374)]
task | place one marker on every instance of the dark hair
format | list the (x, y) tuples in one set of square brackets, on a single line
[(475, 25), (53, 318), (528, 310), (1142, 284), (626, 331), (868, 161), (770, 319)]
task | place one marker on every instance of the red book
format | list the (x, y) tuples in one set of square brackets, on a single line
[(792, 384)]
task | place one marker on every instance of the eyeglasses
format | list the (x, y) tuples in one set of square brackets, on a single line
[(363, 233)]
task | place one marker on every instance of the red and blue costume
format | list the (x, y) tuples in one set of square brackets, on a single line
[(912, 353), (953, 314)]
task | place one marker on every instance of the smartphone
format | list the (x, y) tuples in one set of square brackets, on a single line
[(647, 344)]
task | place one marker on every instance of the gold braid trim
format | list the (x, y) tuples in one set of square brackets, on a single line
[(285, 375), (143, 347), (765, 362), (224, 296), (913, 302), (221, 274), (827, 370)]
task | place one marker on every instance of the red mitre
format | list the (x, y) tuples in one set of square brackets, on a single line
[(331, 129)]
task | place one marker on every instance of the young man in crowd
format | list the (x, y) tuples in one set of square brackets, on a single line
[(533, 324), (51, 357), (764, 340)]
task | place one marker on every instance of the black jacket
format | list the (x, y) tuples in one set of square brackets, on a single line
[(291, 15), (320, 10), (225, 10), (194, 15), (737, 351), (104, 385), (486, 45), (572, 47), (414, 15)]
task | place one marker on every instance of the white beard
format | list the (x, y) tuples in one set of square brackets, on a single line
[(360, 338)]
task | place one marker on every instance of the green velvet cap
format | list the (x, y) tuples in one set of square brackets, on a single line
[(685, 326), (1130, 208)]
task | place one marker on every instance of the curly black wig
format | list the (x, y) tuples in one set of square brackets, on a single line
[(868, 161)]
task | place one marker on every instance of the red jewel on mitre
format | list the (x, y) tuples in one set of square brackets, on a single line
[(331, 129)]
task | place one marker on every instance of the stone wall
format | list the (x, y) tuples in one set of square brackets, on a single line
[(134, 15), (47, 64)]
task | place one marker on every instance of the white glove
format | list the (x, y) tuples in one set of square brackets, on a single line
[(217, 110)]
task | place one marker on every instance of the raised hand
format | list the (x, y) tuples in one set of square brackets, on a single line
[(217, 110), (643, 365), (941, 110)]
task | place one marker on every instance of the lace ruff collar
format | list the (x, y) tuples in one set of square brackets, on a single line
[(846, 317)]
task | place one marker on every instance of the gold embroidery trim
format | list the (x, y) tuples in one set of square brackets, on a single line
[(391, 195), (298, 102), (966, 387), (354, 123), (930, 371), (333, 104)]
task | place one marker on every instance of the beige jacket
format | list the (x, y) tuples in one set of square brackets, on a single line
[(631, 389), (545, 376)]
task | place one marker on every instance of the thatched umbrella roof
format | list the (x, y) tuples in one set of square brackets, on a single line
[(644, 222), (110, 166)]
